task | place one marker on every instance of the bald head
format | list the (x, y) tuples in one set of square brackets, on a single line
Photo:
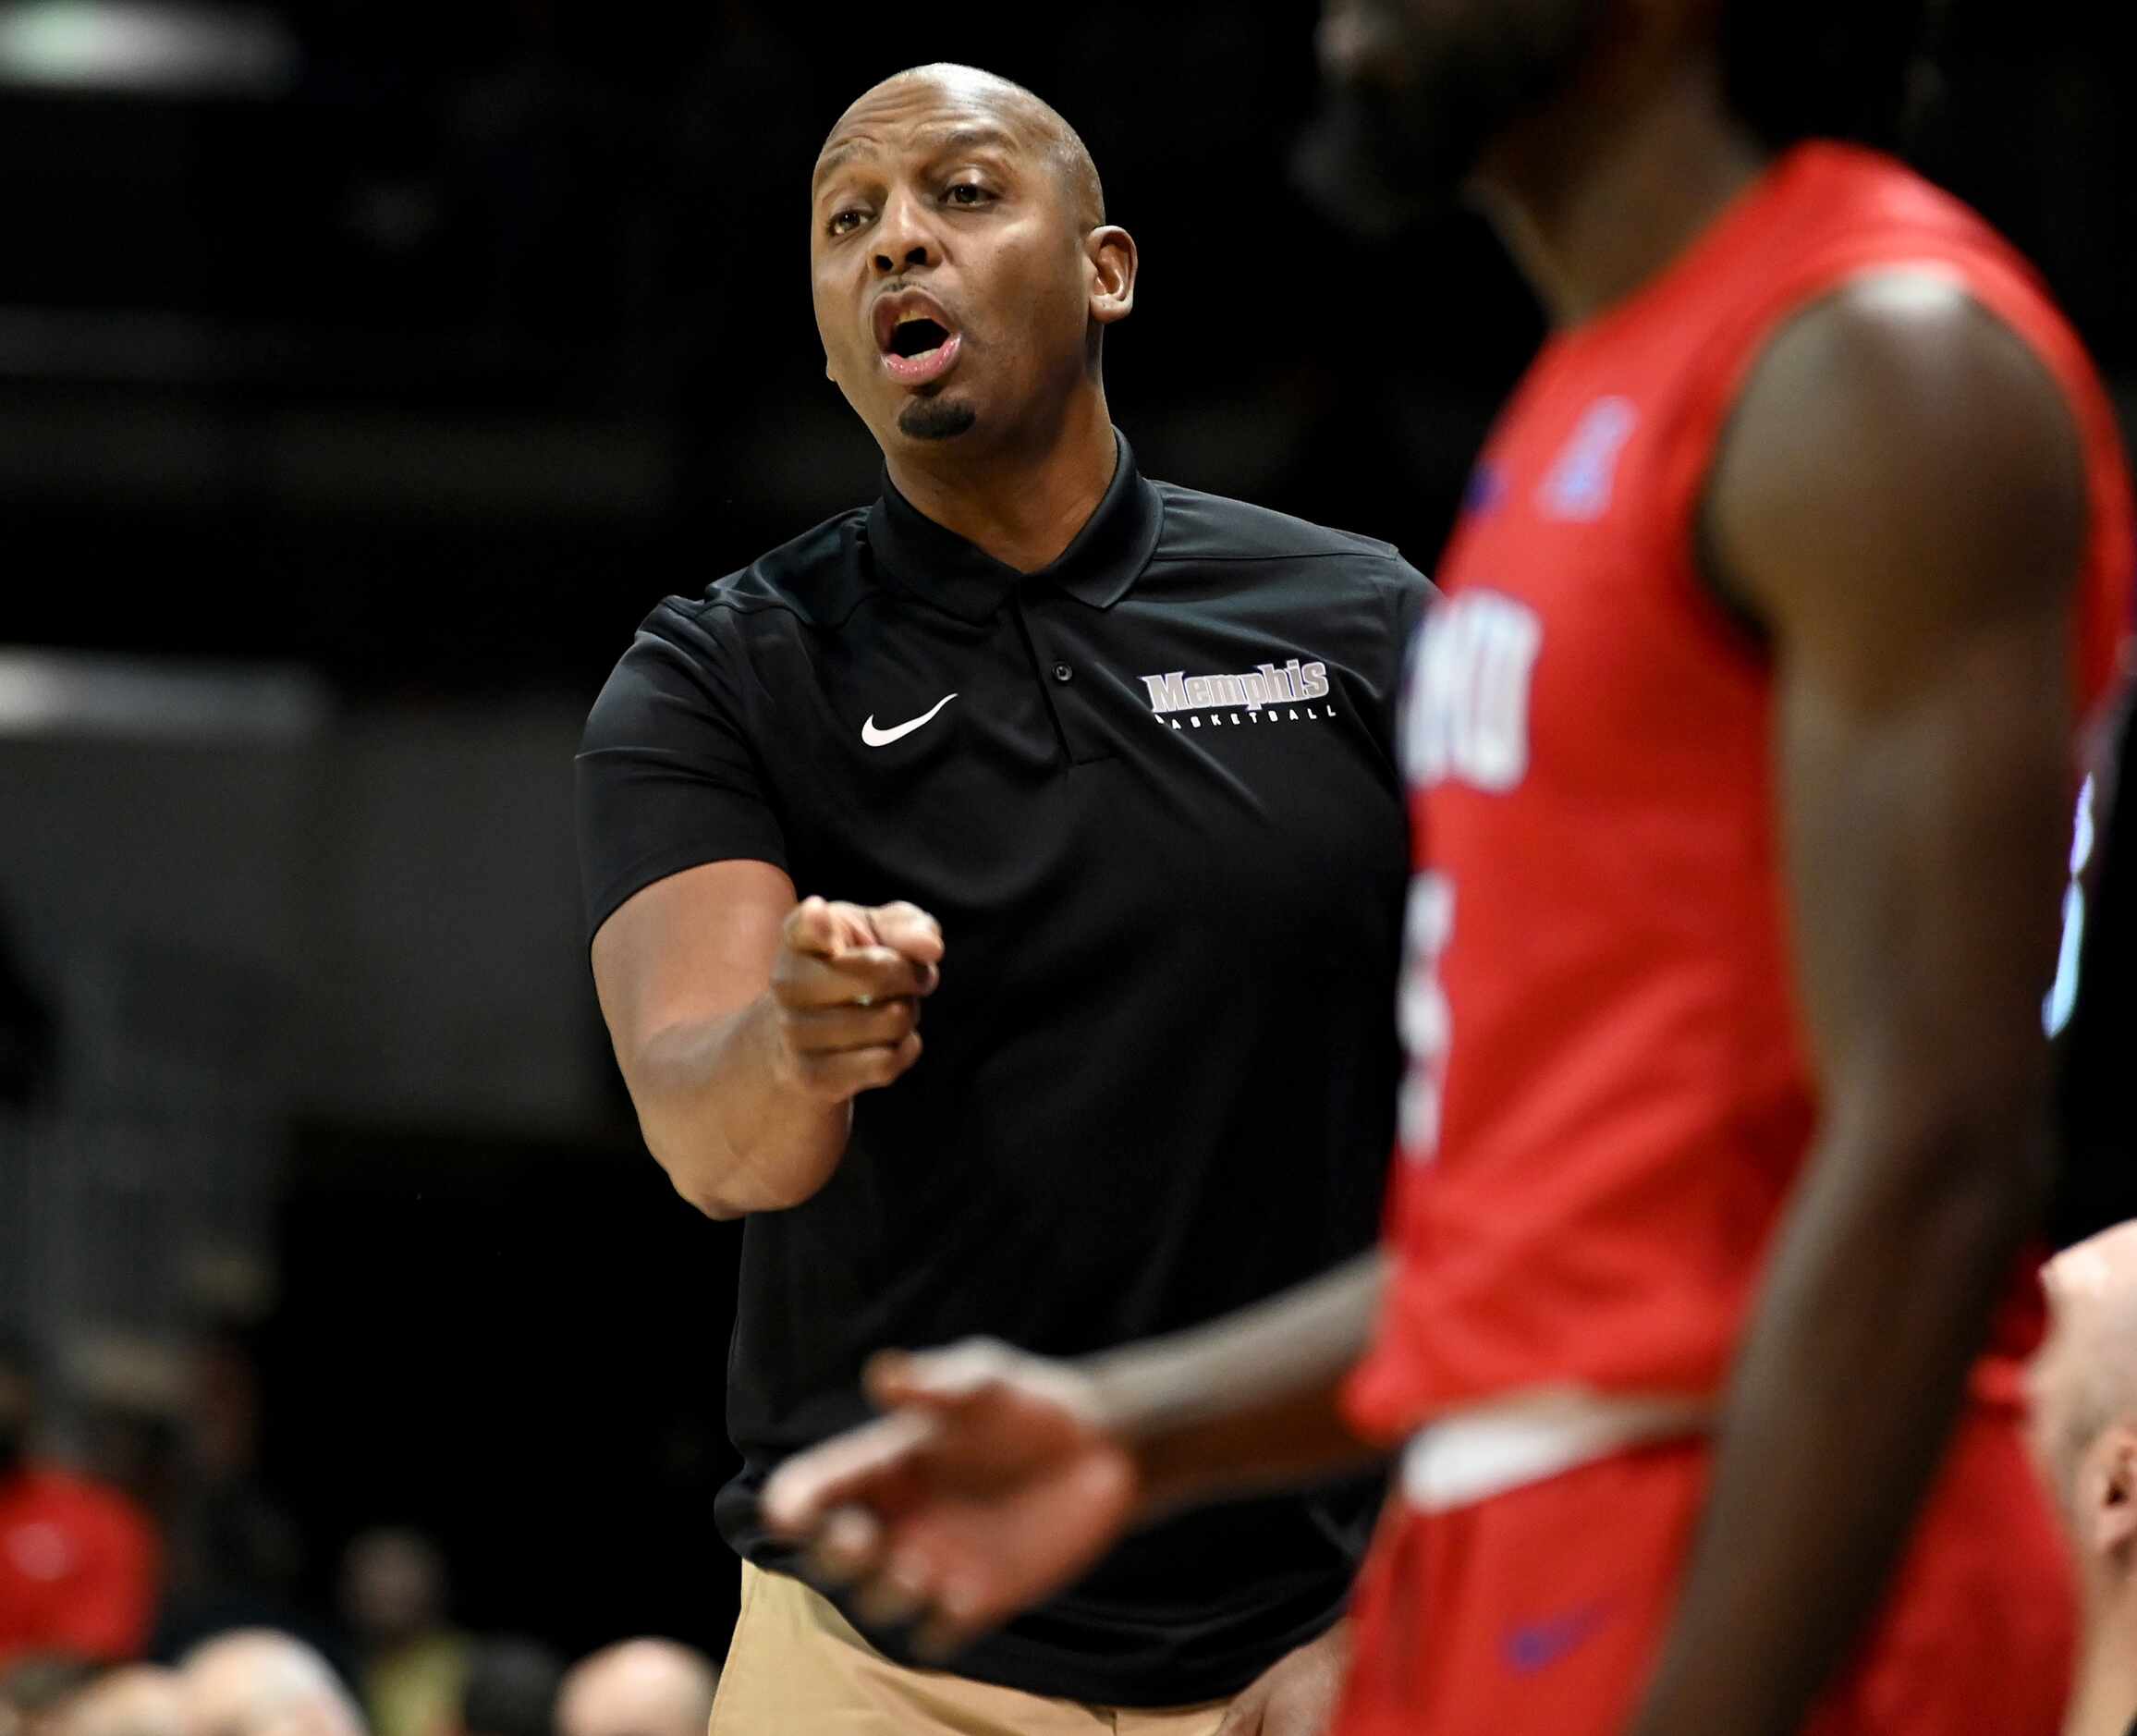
[(138, 1700), (1032, 122), (639, 1688), (257, 1682), (2086, 1379)]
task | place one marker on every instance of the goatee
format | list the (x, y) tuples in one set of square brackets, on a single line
[(936, 419)]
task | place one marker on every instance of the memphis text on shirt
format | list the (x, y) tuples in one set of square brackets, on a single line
[(1290, 686)]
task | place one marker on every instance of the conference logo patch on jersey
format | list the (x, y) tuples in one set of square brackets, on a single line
[(1471, 669), (1581, 484), (1288, 692)]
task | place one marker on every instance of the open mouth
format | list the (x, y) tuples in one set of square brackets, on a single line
[(919, 343), (915, 337)]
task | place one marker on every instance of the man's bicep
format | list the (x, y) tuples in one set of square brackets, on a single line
[(688, 947), (1901, 501), (683, 853), (667, 776)]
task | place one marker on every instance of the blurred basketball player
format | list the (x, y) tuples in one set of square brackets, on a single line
[(1742, 759)]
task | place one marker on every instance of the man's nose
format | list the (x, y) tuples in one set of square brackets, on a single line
[(902, 242)]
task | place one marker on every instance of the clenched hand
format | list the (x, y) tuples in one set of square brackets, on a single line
[(847, 986)]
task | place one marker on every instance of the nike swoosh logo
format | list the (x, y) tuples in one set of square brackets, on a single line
[(883, 738)]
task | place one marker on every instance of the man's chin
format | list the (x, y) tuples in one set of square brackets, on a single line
[(935, 419)]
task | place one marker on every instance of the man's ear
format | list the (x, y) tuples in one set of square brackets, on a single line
[(2110, 1488), (1111, 251)]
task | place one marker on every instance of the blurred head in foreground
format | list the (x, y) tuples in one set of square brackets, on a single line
[(2084, 1383), (258, 1682), (639, 1688), (138, 1700)]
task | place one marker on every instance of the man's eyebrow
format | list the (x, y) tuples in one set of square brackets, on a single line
[(838, 155), (955, 139)]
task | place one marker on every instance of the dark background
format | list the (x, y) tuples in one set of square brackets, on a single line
[(367, 370)]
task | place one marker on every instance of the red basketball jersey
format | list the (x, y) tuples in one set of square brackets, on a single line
[(1608, 1096)]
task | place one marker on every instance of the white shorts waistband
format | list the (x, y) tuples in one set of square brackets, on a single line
[(1471, 1455)]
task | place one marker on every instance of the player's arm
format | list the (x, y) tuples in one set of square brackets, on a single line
[(997, 1477), (745, 1023), (1901, 501), (1248, 1402)]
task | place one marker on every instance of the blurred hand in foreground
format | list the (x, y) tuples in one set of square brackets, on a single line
[(989, 1483)]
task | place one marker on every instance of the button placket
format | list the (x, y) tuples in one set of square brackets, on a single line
[(1046, 687)]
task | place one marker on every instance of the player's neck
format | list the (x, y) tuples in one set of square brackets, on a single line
[(1595, 203), (2104, 1698), (1022, 504)]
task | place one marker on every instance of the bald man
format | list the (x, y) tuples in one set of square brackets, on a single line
[(258, 1682), (1101, 772), (639, 1688), (2085, 1430), (135, 1700)]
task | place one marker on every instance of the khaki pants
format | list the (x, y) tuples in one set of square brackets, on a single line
[(796, 1668)]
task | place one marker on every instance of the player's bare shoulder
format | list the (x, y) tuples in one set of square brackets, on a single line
[(1898, 433)]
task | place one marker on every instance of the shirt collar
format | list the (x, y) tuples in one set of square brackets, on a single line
[(1099, 568)]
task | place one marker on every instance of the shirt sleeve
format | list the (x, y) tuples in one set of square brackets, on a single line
[(1414, 594), (666, 777)]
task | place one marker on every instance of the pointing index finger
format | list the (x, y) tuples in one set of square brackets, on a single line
[(827, 928), (811, 929), (910, 930)]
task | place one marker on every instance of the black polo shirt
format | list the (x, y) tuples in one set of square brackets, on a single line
[(1150, 794)]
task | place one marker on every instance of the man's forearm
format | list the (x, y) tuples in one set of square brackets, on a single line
[(1878, 1302), (734, 1136), (1249, 1401)]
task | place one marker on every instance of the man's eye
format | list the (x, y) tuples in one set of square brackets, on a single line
[(845, 223), (966, 193)]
